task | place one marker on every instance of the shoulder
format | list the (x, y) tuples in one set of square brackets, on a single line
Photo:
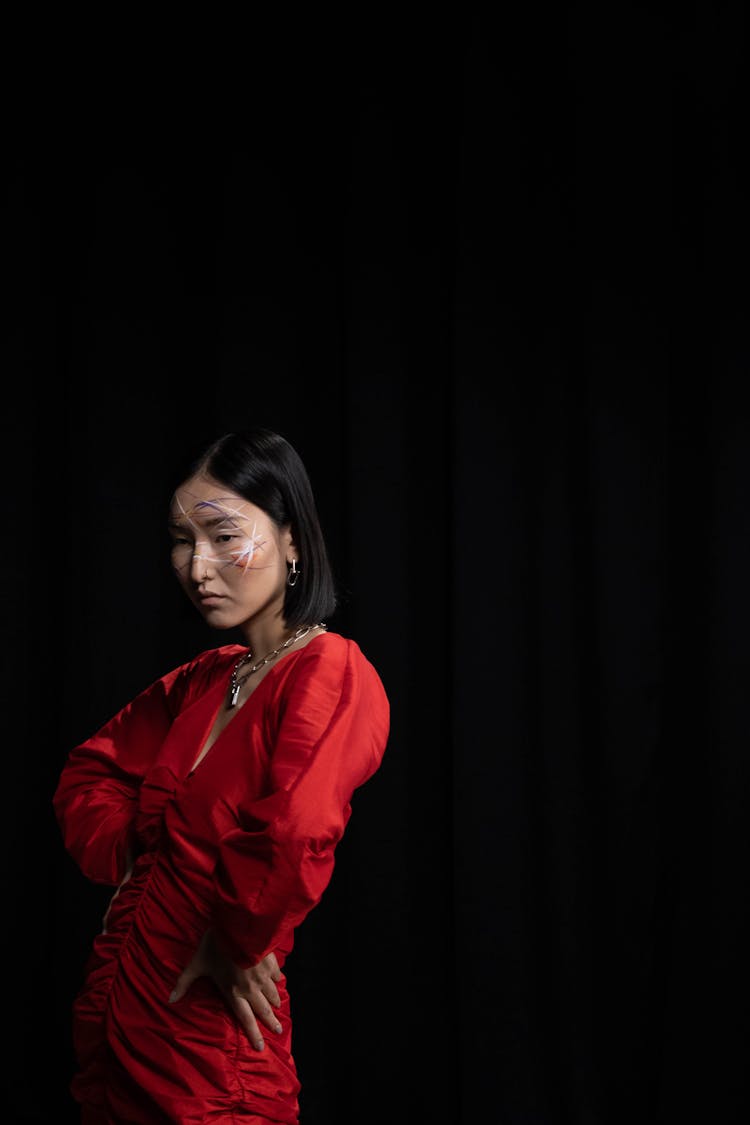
[(208, 663), (197, 675), (337, 662), (216, 659), (330, 693), (330, 653)]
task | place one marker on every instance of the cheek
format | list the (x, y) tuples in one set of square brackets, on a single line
[(250, 557), (181, 564)]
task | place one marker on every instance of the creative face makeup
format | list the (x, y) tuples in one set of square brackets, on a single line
[(228, 555), (216, 531)]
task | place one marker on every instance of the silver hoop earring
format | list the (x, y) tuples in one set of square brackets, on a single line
[(293, 575)]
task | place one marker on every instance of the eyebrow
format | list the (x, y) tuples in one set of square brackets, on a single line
[(180, 525)]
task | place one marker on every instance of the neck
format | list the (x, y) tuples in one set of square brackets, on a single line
[(265, 636), (257, 663), (298, 636)]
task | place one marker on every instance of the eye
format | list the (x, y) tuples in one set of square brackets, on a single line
[(176, 542), (225, 538)]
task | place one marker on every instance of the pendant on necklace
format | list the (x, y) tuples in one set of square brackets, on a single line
[(235, 694)]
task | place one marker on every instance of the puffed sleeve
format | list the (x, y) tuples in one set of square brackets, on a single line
[(95, 799), (331, 736)]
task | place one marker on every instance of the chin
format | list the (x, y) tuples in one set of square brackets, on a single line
[(220, 626), (216, 617)]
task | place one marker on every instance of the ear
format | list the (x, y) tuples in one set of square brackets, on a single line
[(287, 544)]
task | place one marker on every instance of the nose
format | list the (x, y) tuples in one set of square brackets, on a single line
[(200, 568)]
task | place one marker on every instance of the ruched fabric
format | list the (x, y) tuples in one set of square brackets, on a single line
[(243, 842)]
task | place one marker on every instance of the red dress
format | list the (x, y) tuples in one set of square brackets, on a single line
[(244, 843)]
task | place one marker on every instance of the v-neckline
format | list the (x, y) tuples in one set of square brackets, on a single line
[(222, 687)]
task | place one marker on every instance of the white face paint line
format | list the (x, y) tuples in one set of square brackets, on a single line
[(244, 557)]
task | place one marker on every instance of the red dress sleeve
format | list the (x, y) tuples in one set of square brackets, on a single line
[(95, 799), (332, 731)]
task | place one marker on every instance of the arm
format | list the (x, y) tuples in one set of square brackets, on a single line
[(274, 869), (95, 799)]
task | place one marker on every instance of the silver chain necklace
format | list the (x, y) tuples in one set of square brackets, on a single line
[(234, 691)]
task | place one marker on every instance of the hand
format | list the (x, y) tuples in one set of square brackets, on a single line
[(247, 992)]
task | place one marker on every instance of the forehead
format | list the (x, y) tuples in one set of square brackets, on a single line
[(205, 502)]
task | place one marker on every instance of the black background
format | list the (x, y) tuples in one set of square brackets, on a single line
[(488, 275)]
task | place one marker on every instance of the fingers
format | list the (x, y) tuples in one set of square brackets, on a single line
[(248, 1007), (264, 974), (264, 1010), (183, 984), (272, 993), (198, 967), (243, 1011), (251, 997)]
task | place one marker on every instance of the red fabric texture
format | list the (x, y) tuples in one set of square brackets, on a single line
[(243, 843)]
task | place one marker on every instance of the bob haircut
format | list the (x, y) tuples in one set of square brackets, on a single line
[(263, 467)]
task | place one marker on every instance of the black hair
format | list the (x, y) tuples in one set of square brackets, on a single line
[(264, 467)]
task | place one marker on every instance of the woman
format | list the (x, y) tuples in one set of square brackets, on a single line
[(213, 802)]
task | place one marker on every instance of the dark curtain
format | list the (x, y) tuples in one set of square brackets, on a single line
[(488, 275)]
